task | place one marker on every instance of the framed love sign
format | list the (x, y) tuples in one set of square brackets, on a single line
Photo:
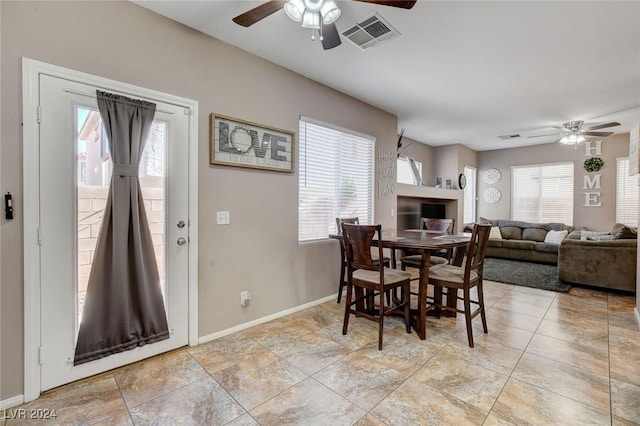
[(235, 142)]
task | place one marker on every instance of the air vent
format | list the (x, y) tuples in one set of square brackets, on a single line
[(507, 137), (370, 32)]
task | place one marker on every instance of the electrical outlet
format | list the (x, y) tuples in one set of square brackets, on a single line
[(222, 218), (245, 297)]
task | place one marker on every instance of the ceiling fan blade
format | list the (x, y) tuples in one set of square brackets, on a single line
[(603, 126), (330, 36), (256, 14), (600, 134), (542, 136), (404, 4)]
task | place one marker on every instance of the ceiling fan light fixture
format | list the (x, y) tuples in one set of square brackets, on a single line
[(311, 20), (572, 139), (330, 12), (294, 9)]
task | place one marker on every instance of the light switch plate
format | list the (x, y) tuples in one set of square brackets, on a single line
[(222, 218)]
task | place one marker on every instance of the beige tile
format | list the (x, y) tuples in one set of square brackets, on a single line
[(87, 401), (311, 353), (253, 382), (621, 302), (487, 353), (619, 421), (466, 381), (575, 383), (594, 309), (625, 400), (360, 380), (310, 403), (587, 293), (226, 351), (531, 309), (508, 336), (526, 322), (317, 317), (122, 418), (148, 379), (589, 354), (625, 358), (401, 351), (369, 420), (524, 404), (625, 320), (595, 332), (360, 333), (542, 300), (416, 403), (199, 403), (278, 331)]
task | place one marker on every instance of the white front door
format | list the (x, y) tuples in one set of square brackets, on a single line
[(75, 171)]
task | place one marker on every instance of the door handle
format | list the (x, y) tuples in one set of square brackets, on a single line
[(181, 241)]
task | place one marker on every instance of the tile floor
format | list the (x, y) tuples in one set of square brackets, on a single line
[(549, 358)]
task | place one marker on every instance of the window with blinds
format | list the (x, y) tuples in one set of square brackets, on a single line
[(336, 178), (470, 173), (626, 194), (542, 193)]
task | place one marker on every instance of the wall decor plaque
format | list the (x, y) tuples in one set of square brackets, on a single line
[(235, 142), (492, 176), (492, 195)]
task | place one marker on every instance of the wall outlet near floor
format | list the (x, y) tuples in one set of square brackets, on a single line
[(223, 218), (245, 297)]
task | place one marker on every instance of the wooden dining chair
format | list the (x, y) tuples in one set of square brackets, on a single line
[(372, 277), (442, 225), (464, 278), (343, 257)]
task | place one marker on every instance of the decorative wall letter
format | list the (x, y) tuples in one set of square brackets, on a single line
[(386, 173), (591, 199), (592, 148)]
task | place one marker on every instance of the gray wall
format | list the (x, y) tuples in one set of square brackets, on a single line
[(596, 218), (134, 45)]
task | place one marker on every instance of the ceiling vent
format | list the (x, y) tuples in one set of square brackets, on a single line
[(507, 137), (370, 32)]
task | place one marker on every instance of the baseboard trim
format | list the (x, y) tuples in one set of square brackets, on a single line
[(635, 310), (14, 401), (244, 326)]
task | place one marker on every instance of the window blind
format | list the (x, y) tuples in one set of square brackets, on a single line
[(542, 193), (626, 194), (336, 178), (470, 173)]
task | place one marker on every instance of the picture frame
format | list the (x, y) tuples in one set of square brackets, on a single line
[(241, 143)]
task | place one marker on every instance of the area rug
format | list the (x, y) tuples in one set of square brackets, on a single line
[(526, 274)]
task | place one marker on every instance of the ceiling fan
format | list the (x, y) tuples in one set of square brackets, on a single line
[(318, 15), (573, 133)]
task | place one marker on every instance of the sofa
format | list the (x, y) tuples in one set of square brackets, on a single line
[(525, 241), (600, 259)]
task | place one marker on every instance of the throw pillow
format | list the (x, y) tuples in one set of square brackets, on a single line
[(495, 234), (625, 233), (555, 237)]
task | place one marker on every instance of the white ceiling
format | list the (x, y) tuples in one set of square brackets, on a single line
[(461, 72)]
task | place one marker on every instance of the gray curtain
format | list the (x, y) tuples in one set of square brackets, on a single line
[(123, 307)]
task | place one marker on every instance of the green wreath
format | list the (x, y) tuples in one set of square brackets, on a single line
[(232, 137), (593, 164)]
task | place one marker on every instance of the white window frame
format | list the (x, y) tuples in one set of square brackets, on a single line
[(409, 171), (627, 198), (321, 185), (470, 194), (542, 218)]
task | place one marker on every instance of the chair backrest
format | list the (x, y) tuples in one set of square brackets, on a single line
[(444, 225), (350, 220), (357, 243), (476, 248)]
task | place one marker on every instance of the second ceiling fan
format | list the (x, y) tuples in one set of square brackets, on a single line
[(319, 15), (573, 133)]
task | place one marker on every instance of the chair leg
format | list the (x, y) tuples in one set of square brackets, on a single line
[(467, 315), (381, 320), (347, 307), (341, 286), (483, 316), (406, 299)]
